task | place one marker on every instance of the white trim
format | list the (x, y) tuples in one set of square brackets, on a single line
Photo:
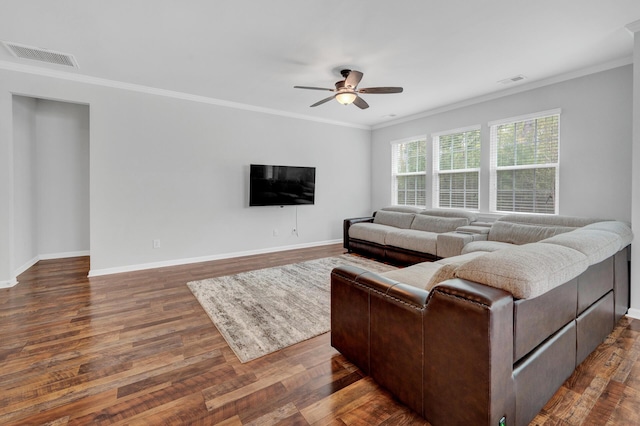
[(187, 261), (617, 63), (525, 117), (460, 130), (633, 27), (493, 162), (48, 256), (10, 66), (26, 266), (394, 165), (634, 313), (409, 139), (8, 284), (79, 78), (64, 255), (435, 166)]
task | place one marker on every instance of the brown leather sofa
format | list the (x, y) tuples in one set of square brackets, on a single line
[(470, 352)]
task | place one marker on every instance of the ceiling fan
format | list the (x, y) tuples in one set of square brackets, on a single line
[(347, 91)]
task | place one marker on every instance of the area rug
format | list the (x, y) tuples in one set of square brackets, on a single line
[(262, 311)]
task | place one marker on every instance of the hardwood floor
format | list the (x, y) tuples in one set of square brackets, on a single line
[(138, 349)]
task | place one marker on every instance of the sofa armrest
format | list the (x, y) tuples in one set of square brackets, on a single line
[(347, 224), (376, 323), (474, 229), (451, 244), (468, 349)]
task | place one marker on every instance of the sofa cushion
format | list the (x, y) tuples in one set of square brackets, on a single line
[(595, 244), (427, 275), (423, 222), (396, 219), (622, 229), (423, 275), (485, 246), (520, 233), (548, 220), (460, 259), (411, 239), (371, 232), (525, 271), (403, 209), (470, 216)]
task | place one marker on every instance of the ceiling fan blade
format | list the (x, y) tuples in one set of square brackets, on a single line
[(353, 79), (381, 90), (360, 103), (313, 88), (323, 101)]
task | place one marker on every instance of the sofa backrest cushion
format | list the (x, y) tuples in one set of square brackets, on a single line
[(470, 216), (597, 245), (525, 271), (521, 233), (622, 229), (397, 219), (403, 209), (548, 220), (423, 222)]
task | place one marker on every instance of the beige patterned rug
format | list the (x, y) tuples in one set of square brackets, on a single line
[(260, 312)]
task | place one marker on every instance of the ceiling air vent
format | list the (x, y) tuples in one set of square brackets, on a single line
[(40, 54), (513, 79)]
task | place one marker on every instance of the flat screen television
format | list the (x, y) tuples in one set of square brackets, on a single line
[(281, 185)]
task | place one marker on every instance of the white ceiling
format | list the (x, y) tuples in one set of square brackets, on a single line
[(253, 52)]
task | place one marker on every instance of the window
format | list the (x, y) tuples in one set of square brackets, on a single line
[(524, 163), (456, 168), (408, 172)]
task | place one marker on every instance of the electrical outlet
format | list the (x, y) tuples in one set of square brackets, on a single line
[(156, 244)]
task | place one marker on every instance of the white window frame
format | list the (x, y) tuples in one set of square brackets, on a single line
[(494, 168), (435, 137), (395, 174)]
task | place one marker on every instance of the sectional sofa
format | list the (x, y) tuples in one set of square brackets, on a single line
[(487, 336), (405, 235)]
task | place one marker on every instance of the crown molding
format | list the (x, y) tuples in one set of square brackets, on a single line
[(633, 27), (113, 84), (511, 91)]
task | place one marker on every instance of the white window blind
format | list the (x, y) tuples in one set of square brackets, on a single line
[(525, 163), (456, 168), (408, 170)]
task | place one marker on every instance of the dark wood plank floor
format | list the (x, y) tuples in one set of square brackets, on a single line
[(138, 349)]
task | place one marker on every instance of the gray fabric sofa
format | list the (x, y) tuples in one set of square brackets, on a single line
[(403, 235), (492, 333)]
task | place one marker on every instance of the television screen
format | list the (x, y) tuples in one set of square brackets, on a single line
[(281, 185)]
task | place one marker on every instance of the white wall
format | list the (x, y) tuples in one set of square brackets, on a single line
[(51, 180), (62, 170), (25, 200), (635, 180), (177, 170), (595, 151), (7, 276)]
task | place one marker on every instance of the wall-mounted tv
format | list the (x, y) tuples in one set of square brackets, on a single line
[(281, 185)]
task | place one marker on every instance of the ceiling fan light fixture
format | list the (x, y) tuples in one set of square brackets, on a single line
[(346, 98)]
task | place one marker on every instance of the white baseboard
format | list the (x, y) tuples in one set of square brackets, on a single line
[(26, 266), (8, 284), (40, 257), (186, 261), (64, 255), (634, 313)]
